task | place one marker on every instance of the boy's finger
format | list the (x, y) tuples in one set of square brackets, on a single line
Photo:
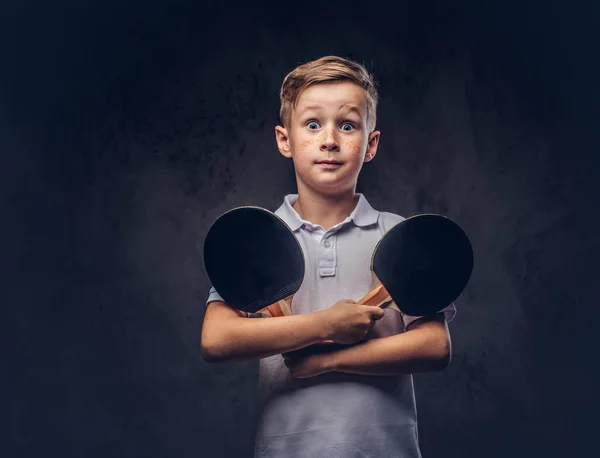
[(377, 313)]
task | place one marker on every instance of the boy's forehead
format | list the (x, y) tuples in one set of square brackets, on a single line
[(339, 95)]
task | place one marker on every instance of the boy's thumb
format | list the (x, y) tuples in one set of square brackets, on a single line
[(377, 313)]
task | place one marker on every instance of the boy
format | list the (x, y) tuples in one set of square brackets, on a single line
[(356, 400)]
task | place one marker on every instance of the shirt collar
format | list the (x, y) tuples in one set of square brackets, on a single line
[(362, 215)]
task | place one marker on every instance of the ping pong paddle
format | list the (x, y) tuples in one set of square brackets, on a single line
[(254, 261), (420, 266)]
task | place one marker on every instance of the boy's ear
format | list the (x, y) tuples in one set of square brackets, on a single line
[(283, 141), (372, 145)]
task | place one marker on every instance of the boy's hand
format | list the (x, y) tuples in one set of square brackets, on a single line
[(305, 365), (349, 321)]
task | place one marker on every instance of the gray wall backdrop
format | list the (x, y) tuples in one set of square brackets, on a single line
[(127, 128)]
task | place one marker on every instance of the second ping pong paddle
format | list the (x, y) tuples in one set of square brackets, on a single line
[(254, 261), (420, 266)]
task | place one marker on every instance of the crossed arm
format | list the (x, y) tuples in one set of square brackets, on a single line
[(424, 347), (228, 336)]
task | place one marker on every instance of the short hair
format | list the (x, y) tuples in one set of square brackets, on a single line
[(327, 69)]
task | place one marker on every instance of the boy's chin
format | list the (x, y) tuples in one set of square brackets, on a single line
[(332, 188)]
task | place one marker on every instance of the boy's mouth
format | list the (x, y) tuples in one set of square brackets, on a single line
[(329, 164)]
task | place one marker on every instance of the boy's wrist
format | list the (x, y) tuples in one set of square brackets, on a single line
[(330, 361), (325, 327)]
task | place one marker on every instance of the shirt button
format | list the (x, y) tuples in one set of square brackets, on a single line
[(326, 244)]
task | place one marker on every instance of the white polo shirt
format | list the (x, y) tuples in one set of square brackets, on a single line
[(337, 414)]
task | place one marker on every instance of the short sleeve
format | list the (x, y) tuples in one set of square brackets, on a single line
[(213, 296), (449, 313)]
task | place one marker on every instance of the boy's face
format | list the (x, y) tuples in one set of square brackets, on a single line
[(328, 138)]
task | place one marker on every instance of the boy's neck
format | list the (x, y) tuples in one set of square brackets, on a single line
[(326, 211)]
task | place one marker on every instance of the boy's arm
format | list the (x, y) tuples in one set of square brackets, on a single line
[(228, 336), (424, 347)]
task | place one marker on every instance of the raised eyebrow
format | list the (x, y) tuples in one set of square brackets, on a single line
[(352, 109), (310, 108)]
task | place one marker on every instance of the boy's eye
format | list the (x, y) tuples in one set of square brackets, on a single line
[(348, 127), (313, 125)]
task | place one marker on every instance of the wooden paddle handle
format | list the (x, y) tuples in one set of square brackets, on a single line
[(376, 297), (281, 308)]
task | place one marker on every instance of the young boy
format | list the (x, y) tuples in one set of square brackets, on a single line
[(355, 400)]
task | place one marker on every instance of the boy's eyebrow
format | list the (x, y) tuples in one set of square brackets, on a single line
[(348, 107), (311, 107), (352, 108)]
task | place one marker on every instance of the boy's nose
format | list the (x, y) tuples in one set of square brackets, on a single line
[(330, 141)]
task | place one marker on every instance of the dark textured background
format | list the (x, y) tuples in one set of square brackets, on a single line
[(126, 129)]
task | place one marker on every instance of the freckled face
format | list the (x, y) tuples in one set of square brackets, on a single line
[(328, 136)]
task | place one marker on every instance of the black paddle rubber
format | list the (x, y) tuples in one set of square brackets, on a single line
[(424, 262), (252, 258)]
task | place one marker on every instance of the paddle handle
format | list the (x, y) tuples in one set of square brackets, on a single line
[(377, 297), (280, 308)]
